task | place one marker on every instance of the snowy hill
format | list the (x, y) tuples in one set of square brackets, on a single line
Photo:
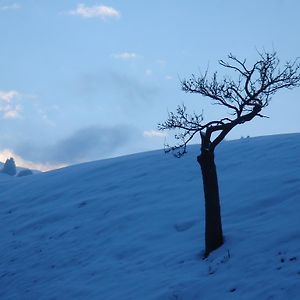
[(132, 227)]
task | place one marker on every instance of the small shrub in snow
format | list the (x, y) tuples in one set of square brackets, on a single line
[(9, 167)]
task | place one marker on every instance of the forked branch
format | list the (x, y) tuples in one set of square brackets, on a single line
[(244, 98)]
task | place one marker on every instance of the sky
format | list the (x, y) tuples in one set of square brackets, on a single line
[(87, 80)]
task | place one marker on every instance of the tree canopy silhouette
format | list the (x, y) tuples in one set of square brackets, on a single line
[(244, 98)]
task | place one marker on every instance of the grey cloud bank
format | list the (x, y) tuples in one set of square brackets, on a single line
[(85, 144)]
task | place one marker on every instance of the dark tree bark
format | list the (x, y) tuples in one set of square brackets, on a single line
[(213, 223), (244, 97)]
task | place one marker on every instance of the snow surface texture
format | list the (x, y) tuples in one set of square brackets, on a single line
[(132, 227)]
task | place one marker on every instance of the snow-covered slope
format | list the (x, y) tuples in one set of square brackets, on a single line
[(132, 227)]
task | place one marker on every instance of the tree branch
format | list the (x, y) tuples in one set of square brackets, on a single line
[(245, 98)]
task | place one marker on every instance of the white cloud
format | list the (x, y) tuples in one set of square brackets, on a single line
[(96, 11), (12, 113), (8, 108), (125, 56), (14, 6), (8, 96), (20, 162), (154, 133)]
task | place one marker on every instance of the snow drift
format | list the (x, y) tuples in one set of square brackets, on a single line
[(132, 227)]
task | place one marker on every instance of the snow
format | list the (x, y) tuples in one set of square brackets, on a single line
[(132, 227)]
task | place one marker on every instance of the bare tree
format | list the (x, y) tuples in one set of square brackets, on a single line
[(244, 98)]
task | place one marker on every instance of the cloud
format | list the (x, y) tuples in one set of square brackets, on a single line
[(90, 143), (85, 144), (14, 6), (20, 162), (125, 56), (8, 96), (96, 11), (154, 134), (11, 112), (8, 108)]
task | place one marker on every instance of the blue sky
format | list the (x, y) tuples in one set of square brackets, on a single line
[(87, 80)]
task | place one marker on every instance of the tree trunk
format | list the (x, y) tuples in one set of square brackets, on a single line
[(213, 223)]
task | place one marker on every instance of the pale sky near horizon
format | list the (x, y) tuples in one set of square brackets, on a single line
[(86, 80)]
